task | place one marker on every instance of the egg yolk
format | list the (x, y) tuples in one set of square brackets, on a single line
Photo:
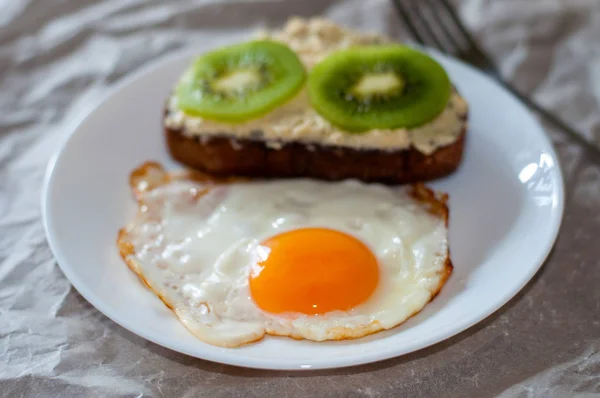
[(313, 271)]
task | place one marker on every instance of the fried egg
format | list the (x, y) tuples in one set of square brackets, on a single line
[(236, 260)]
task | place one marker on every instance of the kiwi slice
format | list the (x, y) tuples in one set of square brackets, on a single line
[(378, 87), (240, 82)]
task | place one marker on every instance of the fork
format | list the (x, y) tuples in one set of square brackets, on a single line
[(435, 23)]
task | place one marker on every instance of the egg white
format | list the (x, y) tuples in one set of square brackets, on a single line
[(194, 244)]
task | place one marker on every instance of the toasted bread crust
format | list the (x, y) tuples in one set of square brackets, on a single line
[(223, 155)]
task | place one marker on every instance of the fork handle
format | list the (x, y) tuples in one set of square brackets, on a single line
[(554, 121)]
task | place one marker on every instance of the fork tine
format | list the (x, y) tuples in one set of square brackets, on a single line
[(419, 11), (405, 15), (458, 23), (486, 62), (450, 34)]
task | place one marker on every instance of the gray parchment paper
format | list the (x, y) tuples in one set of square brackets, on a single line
[(59, 57)]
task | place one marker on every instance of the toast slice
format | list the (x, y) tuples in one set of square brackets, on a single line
[(224, 155), (294, 141)]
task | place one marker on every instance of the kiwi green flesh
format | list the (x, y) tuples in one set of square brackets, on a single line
[(241, 82), (421, 93)]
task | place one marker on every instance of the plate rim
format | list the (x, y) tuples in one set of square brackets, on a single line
[(277, 364)]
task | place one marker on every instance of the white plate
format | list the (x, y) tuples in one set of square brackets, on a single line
[(505, 210)]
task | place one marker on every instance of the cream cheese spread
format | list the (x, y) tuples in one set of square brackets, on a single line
[(313, 39)]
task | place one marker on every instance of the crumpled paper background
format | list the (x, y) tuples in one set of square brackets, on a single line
[(58, 58)]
